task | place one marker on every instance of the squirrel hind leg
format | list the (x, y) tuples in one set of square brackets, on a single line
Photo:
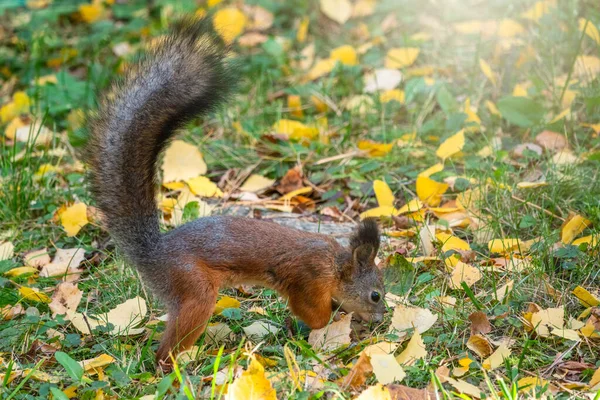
[(188, 318)]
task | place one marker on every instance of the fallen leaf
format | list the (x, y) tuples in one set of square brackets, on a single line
[(256, 183), (8, 312), (480, 346), (463, 272), (182, 161), (479, 323), (359, 104), (14, 272), (549, 318), (92, 365), (303, 30), (338, 10), (37, 258), (332, 336), (123, 317), (321, 68), (204, 187), (345, 54), (65, 298), (252, 384), (503, 290), (7, 250), (538, 10), (73, 218), (380, 348), (573, 227), (261, 19), (91, 13), (502, 246), (407, 317), (259, 329), (568, 334), (429, 191), (217, 333), (439, 167), (295, 130), (224, 303), (415, 350), (33, 294), (392, 95), (465, 387), (451, 242), (487, 71), (65, 263), (360, 372), (595, 380), (382, 79), (375, 149), (383, 193), (497, 358), (401, 57), (294, 105), (551, 141), (386, 368), (529, 383), (585, 297), (586, 68), (590, 30), (452, 145), (229, 22)]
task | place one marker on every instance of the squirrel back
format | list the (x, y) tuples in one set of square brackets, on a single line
[(184, 74)]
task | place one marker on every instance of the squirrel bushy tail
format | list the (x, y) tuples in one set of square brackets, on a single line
[(183, 74)]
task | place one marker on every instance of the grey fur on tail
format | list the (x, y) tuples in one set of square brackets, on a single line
[(183, 75)]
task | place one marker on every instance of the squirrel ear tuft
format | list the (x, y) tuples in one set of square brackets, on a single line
[(367, 233)]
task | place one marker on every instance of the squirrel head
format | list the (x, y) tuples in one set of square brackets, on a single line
[(361, 285)]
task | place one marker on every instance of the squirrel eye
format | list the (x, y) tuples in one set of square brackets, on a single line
[(375, 297)]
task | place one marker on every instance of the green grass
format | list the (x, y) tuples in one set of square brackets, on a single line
[(28, 204)]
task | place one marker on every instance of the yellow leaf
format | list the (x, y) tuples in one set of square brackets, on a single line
[(401, 57), (452, 145), (501, 246), (338, 10), (93, 364), (590, 29), (294, 104), (33, 294), (538, 10), (21, 271), (363, 8), (590, 240), (375, 149), (20, 104), (587, 67), (503, 290), (256, 183), (252, 384), (429, 191), (377, 392), (415, 350), (439, 167), (531, 185), (383, 193), (11, 129), (509, 28), (344, 54), (226, 302), (73, 218), (487, 71), (382, 211), (392, 94), (386, 368), (492, 108), (471, 115), (71, 391), (497, 358), (182, 161), (595, 380), (585, 297), (303, 30), (123, 318), (529, 383), (320, 105), (573, 227), (520, 90), (204, 187), (480, 345), (561, 115), (295, 130), (463, 272), (465, 387), (411, 207), (549, 318), (451, 242), (91, 12), (321, 68), (229, 22), (409, 317)]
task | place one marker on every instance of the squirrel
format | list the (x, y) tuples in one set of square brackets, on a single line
[(183, 75)]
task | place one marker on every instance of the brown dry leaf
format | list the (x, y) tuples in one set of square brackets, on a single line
[(415, 350), (65, 263), (407, 317), (497, 358), (252, 384), (479, 323), (551, 141), (332, 336), (252, 39), (8, 312), (292, 180), (401, 392), (261, 19), (182, 161), (480, 346), (37, 258), (386, 368), (359, 373), (66, 298), (123, 317)]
